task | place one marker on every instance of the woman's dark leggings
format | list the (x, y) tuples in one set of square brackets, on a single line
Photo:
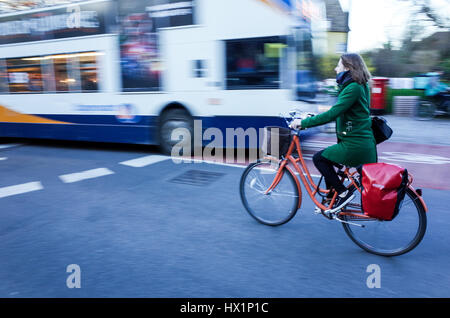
[(326, 168)]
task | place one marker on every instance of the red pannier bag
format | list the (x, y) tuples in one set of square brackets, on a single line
[(384, 187)]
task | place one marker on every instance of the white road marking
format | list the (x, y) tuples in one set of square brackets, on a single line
[(3, 158), (414, 158), (144, 161), (20, 188), (83, 175)]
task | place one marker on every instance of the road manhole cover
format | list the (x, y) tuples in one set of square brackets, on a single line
[(197, 177)]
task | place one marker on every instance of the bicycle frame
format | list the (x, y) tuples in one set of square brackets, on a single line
[(305, 176)]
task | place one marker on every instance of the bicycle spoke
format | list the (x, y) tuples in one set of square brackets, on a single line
[(274, 193), (257, 185)]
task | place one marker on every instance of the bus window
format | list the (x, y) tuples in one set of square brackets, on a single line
[(306, 72), (199, 68), (88, 73), (48, 75), (71, 72), (254, 63), (61, 77), (24, 75), (3, 77)]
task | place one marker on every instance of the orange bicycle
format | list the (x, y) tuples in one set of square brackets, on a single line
[(271, 193)]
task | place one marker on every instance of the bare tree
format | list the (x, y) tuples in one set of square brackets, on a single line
[(425, 11)]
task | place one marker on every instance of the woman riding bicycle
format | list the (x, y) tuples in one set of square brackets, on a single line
[(355, 141)]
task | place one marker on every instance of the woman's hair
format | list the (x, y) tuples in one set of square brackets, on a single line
[(357, 67)]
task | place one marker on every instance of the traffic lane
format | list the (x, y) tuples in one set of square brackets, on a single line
[(41, 160), (91, 203), (141, 235), (31, 164), (428, 164)]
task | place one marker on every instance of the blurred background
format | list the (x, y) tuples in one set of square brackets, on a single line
[(92, 94), (285, 49)]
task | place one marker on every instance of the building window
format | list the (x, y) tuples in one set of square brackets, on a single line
[(254, 63), (341, 48)]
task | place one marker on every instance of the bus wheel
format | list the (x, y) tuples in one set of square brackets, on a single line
[(170, 121)]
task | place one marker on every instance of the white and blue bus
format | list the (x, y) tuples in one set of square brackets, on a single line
[(131, 71)]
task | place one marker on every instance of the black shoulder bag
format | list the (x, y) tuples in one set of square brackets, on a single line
[(381, 130)]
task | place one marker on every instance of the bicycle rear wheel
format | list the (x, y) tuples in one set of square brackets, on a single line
[(278, 206), (390, 238)]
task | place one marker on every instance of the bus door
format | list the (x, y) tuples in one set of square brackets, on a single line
[(305, 66)]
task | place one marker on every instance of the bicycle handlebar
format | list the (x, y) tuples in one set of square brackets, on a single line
[(295, 114)]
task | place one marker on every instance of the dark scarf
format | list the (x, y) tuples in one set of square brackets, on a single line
[(343, 79)]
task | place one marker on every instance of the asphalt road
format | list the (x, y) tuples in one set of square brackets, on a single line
[(154, 228)]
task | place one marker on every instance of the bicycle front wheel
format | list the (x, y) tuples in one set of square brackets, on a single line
[(276, 207), (390, 238)]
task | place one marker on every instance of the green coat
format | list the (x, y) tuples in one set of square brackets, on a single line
[(356, 143)]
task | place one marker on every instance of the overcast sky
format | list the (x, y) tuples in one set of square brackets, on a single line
[(374, 22)]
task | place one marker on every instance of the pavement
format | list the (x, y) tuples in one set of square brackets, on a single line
[(409, 130), (424, 132)]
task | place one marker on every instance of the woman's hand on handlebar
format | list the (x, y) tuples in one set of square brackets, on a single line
[(296, 124)]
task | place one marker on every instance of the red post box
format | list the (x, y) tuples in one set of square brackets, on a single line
[(378, 95)]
